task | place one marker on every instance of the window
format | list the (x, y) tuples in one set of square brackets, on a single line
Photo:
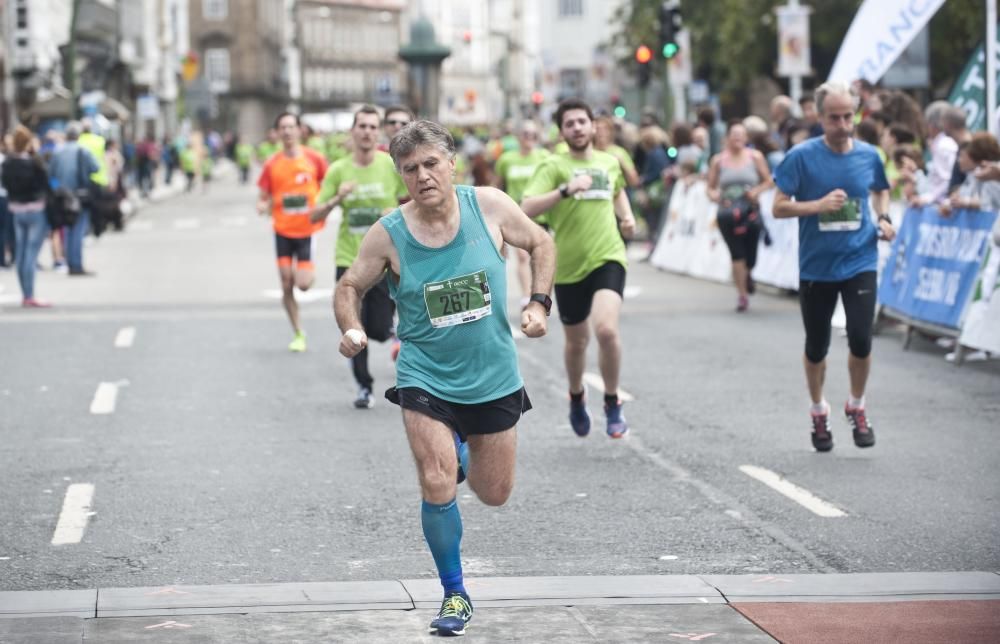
[(217, 70), (571, 82), (570, 8), (214, 9)]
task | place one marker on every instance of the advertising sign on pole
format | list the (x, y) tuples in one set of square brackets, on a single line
[(794, 58)]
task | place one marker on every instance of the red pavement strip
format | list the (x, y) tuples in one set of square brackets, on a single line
[(909, 622)]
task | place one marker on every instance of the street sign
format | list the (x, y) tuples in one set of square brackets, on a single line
[(147, 107)]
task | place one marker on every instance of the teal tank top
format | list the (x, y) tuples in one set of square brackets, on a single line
[(452, 304)]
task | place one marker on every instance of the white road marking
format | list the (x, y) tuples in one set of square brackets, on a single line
[(137, 226), (800, 495), (234, 221), (125, 337), (189, 223), (595, 381), (312, 295), (104, 398), (75, 514)]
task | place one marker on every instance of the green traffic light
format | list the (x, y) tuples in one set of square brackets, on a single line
[(620, 111), (670, 50), (672, 152)]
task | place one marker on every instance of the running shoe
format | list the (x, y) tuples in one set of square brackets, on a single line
[(462, 452), (32, 303), (617, 427), (822, 438), (394, 350), (455, 613), (864, 433), (298, 345), (579, 419), (364, 399), (742, 304)]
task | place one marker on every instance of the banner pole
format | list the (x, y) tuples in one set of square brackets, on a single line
[(991, 66)]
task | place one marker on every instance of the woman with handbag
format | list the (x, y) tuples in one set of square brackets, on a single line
[(24, 176), (736, 177)]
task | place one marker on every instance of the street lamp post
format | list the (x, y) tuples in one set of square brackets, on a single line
[(424, 55)]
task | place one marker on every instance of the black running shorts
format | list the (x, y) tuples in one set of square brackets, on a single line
[(483, 418), (574, 300), (300, 248)]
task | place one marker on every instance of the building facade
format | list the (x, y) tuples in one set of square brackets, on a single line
[(348, 53), (243, 80)]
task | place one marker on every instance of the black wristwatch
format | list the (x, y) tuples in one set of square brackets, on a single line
[(542, 299), (884, 217), (564, 190)]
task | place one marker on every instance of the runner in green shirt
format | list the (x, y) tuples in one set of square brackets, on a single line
[(366, 186), (268, 148), (513, 170), (244, 156), (582, 192)]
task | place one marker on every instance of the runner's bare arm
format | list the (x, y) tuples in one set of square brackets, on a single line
[(322, 210), (263, 203), (712, 182), (760, 163), (785, 206), (623, 211), (374, 256), (518, 230), (534, 206), (880, 201)]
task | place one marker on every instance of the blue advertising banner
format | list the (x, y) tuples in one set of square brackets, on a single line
[(934, 263)]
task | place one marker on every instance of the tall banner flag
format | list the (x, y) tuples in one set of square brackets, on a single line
[(881, 30), (969, 91)]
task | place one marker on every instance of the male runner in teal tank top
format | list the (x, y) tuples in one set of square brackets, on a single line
[(589, 213), (457, 377)]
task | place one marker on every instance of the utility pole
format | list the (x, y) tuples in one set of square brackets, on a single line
[(991, 66), (69, 72)]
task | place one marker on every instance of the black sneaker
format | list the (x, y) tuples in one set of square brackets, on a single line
[(864, 433), (455, 613), (822, 438), (364, 399)]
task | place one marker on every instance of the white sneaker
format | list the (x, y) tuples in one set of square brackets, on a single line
[(945, 343), (972, 356)]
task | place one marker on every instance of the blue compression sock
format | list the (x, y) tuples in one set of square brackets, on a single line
[(443, 532)]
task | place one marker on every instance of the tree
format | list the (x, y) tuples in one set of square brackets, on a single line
[(734, 42)]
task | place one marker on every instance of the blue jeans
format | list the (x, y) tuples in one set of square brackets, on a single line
[(7, 239), (29, 229), (74, 240)]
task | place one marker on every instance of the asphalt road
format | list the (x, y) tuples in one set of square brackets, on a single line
[(227, 459)]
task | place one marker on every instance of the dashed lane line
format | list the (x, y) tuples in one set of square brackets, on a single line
[(105, 399), (125, 337), (595, 381), (75, 514), (800, 495), (189, 223)]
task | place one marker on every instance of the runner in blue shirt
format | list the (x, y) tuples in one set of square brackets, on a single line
[(825, 182)]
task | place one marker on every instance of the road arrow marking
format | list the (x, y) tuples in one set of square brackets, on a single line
[(74, 515), (800, 495), (168, 625)]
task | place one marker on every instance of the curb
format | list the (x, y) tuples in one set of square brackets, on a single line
[(501, 592)]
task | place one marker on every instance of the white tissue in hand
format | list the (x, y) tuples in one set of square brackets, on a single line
[(354, 336)]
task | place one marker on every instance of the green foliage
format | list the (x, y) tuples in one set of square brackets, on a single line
[(735, 41)]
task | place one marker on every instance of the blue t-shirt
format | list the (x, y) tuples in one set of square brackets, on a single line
[(834, 247)]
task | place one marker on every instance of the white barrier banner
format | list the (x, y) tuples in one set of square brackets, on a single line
[(879, 33), (691, 243), (981, 329)]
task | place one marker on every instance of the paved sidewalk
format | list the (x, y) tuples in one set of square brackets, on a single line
[(914, 608)]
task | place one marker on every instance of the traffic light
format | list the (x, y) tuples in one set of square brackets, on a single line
[(671, 22), (642, 56)]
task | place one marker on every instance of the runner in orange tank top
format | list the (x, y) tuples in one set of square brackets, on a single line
[(289, 183)]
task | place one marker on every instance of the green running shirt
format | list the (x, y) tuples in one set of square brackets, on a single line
[(378, 188), (584, 224), (515, 170)]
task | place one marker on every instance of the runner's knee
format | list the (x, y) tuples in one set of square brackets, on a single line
[(606, 334), (495, 494), (859, 342), (816, 348)]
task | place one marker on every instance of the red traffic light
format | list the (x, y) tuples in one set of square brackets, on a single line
[(643, 54), (537, 98)]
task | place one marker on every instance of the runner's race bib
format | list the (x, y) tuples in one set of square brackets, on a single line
[(600, 188), (458, 300), (848, 218), (295, 204), (361, 218)]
